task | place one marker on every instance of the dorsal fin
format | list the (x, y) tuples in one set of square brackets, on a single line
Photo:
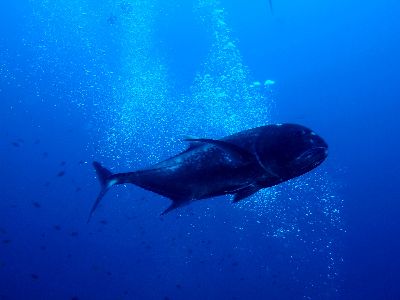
[(232, 149), (193, 143)]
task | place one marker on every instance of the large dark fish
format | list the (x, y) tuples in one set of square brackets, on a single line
[(240, 164)]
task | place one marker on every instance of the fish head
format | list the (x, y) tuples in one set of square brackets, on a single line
[(289, 150)]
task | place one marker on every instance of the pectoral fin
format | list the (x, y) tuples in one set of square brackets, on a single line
[(234, 150), (245, 192)]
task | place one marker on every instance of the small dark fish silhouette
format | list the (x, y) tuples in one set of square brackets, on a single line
[(104, 222), (74, 233), (34, 276), (74, 298), (6, 241), (15, 144), (125, 7), (57, 227), (271, 7), (36, 204), (112, 20), (61, 173)]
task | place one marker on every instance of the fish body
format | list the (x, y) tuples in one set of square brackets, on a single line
[(240, 164)]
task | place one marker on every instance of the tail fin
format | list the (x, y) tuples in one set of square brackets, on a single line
[(107, 180)]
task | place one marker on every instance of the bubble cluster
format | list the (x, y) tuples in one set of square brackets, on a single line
[(148, 119), (65, 59), (223, 91)]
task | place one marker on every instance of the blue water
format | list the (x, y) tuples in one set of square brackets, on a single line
[(122, 82)]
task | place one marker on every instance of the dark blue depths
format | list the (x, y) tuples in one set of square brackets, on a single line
[(73, 78)]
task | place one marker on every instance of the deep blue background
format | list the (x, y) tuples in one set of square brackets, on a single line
[(336, 70)]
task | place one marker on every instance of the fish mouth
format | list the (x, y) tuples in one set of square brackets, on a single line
[(314, 156)]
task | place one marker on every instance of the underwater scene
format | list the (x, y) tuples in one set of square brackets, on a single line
[(199, 149)]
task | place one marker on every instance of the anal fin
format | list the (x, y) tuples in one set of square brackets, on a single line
[(173, 206)]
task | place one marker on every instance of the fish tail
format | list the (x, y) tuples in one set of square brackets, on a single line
[(107, 180)]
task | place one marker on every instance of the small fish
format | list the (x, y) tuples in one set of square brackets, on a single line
[(104, 222), (15, 144), (34, 276), (125, 7), (6, 241), (112, 20), (57, 227), (61, 173), (74, 233), (271, 7), (36, 204)]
